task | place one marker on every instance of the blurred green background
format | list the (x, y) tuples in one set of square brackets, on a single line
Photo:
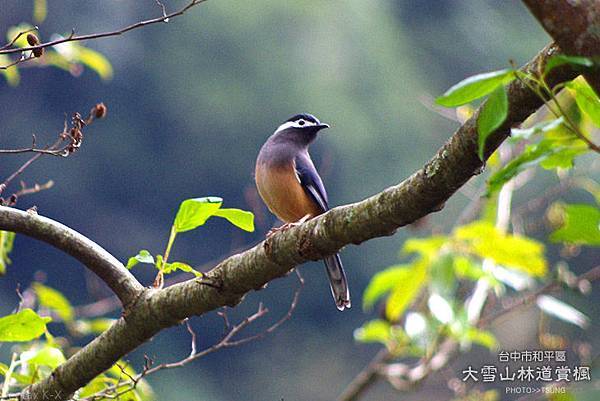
[(190, 104)]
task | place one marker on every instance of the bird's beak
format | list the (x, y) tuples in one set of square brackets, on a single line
[(322, 126)]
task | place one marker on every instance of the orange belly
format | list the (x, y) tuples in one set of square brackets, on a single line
[(280, 189)]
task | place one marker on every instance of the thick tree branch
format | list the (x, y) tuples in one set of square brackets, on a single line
[(94, 257), (153, 310), (574, 25)]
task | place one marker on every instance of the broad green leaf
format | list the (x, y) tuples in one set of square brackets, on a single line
[(442, 278), (194, 212), (586, 99), (406, 291), (485, 241), (492, 116), (95, 61), (378, 331), (581, 225), (12, 75), (7, 240), (518, 134), (54, 300), (171, 267), (427, 247), (561, 310), (475, 87), (44, 356), (237, 217), (143, 256), (40, 10), (560, 59), (383, 282), (25, 325)]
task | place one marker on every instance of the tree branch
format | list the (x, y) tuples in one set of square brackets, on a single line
[(382, 214), (94, 257), (578, 37)]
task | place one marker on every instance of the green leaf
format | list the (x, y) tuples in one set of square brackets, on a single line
[(7, 240), (93, 326), (563, 311), (171, 267), (40, 10), (426, 247), (11, 74), (481, 337), (55, 300), (383, 282), (95, 61), (581, 226), (492, 116), (375, 331), (514, 251), (406, 291), (25, 325), (143, 256), (518, 134), (237, 217), (194, 212), (586, 99), (475, 87), (44, 356), (560, 59)]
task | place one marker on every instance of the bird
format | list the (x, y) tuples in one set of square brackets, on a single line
[(290, 186)]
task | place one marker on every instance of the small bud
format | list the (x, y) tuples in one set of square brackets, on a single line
[(32, 39), (99, 110)]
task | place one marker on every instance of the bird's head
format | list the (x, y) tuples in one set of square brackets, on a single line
[(301, 128)]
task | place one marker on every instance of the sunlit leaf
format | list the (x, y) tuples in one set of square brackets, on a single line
[(45, 356), (440, 308), (481, 337), (92, 326), (40, 10), (174, 266), (513, 251), (492, 116), (143, 256), (14, 31), (194, 212), (561, 310), (237, 217), (581, 225), (517, 134), (406, 291), (475, 87), (427, 247), (12, 75), (7, 239), (560, 59), (383, 282), (586, 99), (95, 61), (374, 331), (25, 325), (54, 300)]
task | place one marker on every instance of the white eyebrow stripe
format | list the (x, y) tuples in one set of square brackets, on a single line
[(294, 124)]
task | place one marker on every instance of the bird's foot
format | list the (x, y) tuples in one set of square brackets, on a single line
[(287, 226)]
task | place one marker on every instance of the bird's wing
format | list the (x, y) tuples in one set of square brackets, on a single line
[(311, 181)]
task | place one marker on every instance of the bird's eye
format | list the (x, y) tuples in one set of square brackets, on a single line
[(301, 122)]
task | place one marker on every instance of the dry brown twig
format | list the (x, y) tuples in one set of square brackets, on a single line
[(227, 341), (69, 141)]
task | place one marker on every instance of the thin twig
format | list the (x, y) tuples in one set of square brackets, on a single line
[(73, 38)]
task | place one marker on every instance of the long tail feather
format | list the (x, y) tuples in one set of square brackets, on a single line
[(337, 281)]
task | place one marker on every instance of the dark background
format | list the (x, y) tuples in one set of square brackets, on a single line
[(190, 104)]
